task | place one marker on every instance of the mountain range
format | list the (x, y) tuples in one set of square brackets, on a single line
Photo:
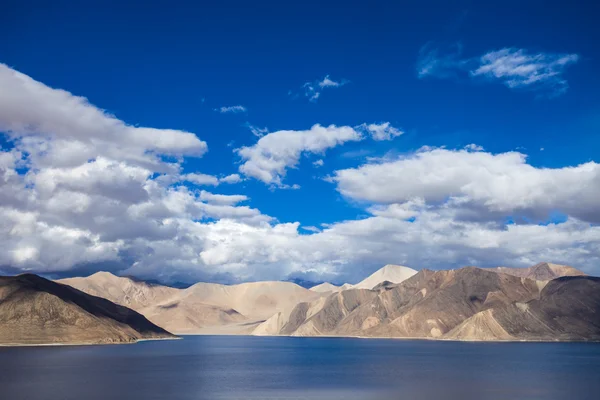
[(544, 302)]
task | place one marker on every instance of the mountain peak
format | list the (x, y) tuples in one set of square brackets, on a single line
[(390, 272)]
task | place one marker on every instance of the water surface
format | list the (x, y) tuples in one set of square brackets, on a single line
[(238, 367)]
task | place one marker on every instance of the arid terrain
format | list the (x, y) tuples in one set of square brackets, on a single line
[(546, 302), (34, 310)]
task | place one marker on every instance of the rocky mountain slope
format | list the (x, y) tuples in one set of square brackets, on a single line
[(542, 271), (34, 310), (466, 304)]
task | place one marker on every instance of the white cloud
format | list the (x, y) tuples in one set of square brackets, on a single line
[(201, 179), (383, 131), (78, 190), (518, 69), (222, 198), (515, 68), (232, 109), (56, 127), (311, 229), (233, 178), (269, 159), (497, 183), (319, 163), (313, 90), (474, 147), (256, 131)]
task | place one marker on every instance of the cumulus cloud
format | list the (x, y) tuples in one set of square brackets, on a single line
[(201, 179), (231, 109), (77, 189), (79, 186), (313, 89), (233, 178), (498, 183), (269, 159), (515, 68)]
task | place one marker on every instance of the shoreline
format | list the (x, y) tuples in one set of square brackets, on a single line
[(408, 338), (84, 343), (182, 336)]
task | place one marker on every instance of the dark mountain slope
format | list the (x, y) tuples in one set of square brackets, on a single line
[(34, 310)]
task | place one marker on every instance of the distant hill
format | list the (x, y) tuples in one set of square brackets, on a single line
[(542, 271), (325, 287), (34, 310), (202, 307)]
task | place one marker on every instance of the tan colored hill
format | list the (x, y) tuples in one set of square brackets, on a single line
[(542, 271), (34, 310), (201, 308), (121, 290), (325, 287), (466, 304), (389, 273), (254, 300)]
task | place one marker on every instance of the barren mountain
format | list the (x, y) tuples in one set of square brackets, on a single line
[(34, 310), (254, 300), (568, 308), (201, 306), (389, 273), (542, 271), (467, 304), (325, 287), (121, 290)]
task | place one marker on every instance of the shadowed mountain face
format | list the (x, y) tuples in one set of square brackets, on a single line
[(466, 304), (34, 310)]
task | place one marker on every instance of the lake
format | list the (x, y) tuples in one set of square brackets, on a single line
[(239, 367)]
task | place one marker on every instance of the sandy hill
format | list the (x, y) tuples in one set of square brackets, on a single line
[(255, 300), (325, 287), (200, 308), (467, 304), (542, 271), (120, 290), (34, 310), (389, 273)]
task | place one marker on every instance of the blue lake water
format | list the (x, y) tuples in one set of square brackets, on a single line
[(230, 367)]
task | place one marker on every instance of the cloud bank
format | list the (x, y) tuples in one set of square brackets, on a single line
[(80, 188)]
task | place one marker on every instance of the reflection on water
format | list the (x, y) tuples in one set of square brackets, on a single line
[(230, 367)]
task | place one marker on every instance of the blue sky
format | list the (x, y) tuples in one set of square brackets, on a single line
[(420, 67)]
